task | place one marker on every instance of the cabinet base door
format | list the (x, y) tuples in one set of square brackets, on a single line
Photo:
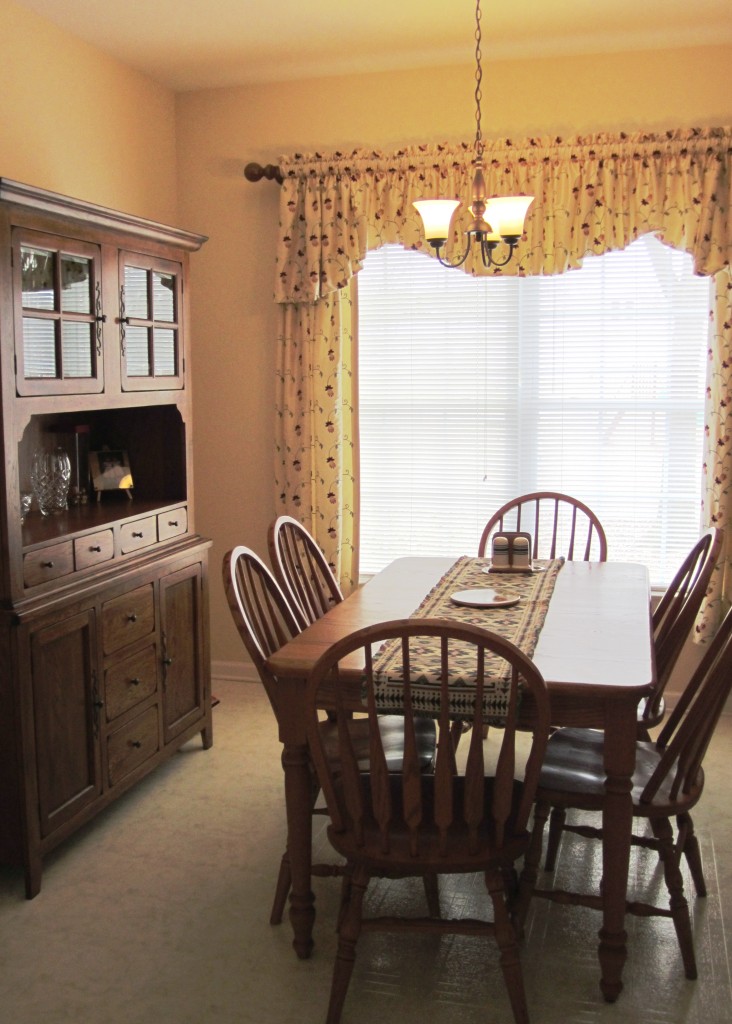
[(66, 713), (181, 594)]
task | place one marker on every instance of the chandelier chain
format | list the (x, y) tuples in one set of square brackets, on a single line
[(478, 82)]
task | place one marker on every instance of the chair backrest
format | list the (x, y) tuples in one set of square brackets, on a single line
[(674, 615), (302, 569), (260, 609), (558, 524), (687, 732), (410, 814)]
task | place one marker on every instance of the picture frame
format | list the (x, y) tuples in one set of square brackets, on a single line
[(110, 471)]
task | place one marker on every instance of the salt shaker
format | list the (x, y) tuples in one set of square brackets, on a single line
[(500, 552)]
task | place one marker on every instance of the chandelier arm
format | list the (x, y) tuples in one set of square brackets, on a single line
[(489, 260), (449, 263)]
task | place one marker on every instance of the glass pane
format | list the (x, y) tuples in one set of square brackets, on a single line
[(136, 293), (164, 352), (163, 297), (37, 278), (39, 348), (76, 349), (137, 352), (75, 284)]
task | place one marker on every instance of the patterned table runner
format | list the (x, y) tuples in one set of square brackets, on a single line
[(520, 623)]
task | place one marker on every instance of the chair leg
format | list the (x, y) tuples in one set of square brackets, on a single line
[(670, 856), (456, 731), (345, 895), (692, 853), (508, 946), (349, 929), (432, 894), (530, 872), (282, 890), (556, 824)]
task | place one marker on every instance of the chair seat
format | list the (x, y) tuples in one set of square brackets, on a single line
[(573, 775), (648, 720), (400, 858), (391, 728)]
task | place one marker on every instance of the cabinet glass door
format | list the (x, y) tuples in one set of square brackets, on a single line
[(150, 314), (58, 315)]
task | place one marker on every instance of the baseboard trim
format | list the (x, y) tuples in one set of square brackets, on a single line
[(234, 671)]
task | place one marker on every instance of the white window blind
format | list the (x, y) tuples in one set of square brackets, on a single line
[(473, 391)]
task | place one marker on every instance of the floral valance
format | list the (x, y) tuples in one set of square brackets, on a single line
[(592, 194)]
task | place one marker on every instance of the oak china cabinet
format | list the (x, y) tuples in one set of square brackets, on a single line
[(104, 647)]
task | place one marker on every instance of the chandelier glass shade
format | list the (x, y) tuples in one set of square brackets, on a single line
[(494, 220)]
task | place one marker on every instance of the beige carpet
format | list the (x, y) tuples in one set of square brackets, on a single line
[(158, 913)]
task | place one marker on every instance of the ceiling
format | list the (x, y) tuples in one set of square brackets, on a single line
[(198, 44)]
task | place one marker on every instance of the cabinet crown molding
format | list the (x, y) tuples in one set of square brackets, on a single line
[(52, 202)]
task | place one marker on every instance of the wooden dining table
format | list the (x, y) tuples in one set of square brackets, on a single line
[(595, 652)]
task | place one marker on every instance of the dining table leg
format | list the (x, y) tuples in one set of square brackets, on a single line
[(298, 790), (617, 823), (298, 803)]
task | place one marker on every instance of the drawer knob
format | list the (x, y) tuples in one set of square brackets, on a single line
[(167, 661), (47, 565), (172, 522), (132, 617), (95, 547), (135, 681), (136, 744), (137, 533)]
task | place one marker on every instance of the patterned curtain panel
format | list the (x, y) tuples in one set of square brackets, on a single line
[(316, 446), (592, 194)]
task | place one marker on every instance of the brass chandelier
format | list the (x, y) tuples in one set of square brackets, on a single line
[(505, 214)]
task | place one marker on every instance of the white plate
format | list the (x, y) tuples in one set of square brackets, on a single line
[(483, 598)]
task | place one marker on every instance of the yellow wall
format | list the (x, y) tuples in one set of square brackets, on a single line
[(75, 121), (219, 131)]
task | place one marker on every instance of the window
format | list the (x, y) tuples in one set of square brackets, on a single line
[(472, 391)]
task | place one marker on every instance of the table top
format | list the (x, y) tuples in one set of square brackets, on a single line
[(596, 635)]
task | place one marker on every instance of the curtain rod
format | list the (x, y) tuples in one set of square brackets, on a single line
[(255, 172)]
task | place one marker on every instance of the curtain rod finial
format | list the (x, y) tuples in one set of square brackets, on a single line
[(255, 172)]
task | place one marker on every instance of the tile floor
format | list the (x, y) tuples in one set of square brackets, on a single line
[(157, 913)]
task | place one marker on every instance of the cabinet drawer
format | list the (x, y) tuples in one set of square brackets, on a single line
[(48, 564), (173, 523), (132, 744), (139, 534), (130, 682), (97, 547), (128, 618)]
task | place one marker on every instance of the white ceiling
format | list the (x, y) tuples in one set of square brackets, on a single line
[(196, 44)]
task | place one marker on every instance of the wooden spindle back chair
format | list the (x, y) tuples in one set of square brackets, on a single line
[(302, 569), (667, 783), (558, 524), (408, 824), (674, 616), (265, 621)]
